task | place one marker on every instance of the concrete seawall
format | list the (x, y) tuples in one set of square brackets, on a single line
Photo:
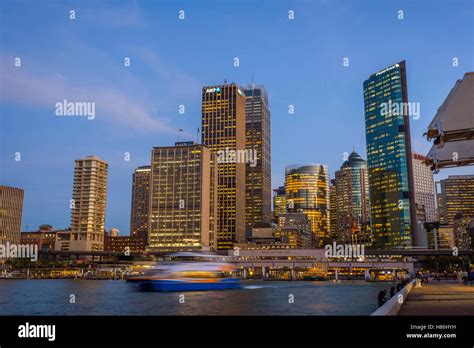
[(393, 305)]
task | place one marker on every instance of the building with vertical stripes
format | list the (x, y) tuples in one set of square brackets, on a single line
[(182, 199)]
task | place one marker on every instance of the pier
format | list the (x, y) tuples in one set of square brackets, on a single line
[(445, 297)]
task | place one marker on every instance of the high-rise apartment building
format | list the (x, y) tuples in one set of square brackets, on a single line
[(181, 215), (258, 171), (223, 132), (307, 191), (87, 207), (352, 201), (140, 202), (456, 196), (11, 210), (389, 159)]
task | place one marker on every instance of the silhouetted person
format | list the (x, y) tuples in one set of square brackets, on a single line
[(381, 297), (399, 287), (392, 291)]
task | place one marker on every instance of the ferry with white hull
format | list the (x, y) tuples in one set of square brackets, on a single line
[(187, 275)]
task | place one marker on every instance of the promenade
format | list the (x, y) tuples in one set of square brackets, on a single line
[(440, 298)]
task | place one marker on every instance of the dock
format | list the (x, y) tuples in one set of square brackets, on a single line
[(443, 297)]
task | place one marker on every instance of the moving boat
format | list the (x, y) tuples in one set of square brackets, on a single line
[(188, 275)]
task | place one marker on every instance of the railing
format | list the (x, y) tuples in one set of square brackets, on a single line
[(393, 305)]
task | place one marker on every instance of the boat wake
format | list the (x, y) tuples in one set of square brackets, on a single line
[(253, 287)]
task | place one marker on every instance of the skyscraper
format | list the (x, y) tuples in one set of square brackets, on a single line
[(223, 132), (140, 202), (257, 173), (425, 196), (307, 191), (456, 196), (389, 158), (332, 209), (88, 205), (352, 201), (279, 202), (11, 210), (181, 212)]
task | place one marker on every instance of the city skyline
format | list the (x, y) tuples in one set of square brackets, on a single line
[(47, 168)]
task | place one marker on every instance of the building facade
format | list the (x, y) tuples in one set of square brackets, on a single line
[(425, 196), (11, 210), (87, 207), (223, 132), (44, 238), (352, 201), (279, 202), (389, 159), (257, 172), (307, 191), (456, 196), (140, 202), (181, 215), (332, 209), (124, 244)]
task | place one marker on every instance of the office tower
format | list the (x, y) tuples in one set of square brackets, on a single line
[(307, 191), (279, 202), (140, 202), (223, 132), (425, 196), (11, 209), (87, 206), (332, 209), (389, 158), (181, 211), (456, 196), (257, 172), (352, 201)]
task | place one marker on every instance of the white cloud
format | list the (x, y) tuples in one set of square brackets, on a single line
[(21, 87)]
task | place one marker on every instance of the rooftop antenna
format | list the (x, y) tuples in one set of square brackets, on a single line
[(252, 85), (225, 81)]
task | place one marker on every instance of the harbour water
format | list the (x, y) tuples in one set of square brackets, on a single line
[(108, 297)]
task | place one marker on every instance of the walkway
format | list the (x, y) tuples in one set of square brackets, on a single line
[(440, 298)]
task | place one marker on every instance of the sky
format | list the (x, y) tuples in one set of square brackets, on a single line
[(299, 61)]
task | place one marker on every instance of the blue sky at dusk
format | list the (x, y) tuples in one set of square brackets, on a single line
[(299, 61)]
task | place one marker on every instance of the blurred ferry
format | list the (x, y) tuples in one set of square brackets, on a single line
[(212, 272)]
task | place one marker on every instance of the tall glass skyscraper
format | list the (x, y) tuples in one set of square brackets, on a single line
[(258, 173), (307, 191), (389, 158)]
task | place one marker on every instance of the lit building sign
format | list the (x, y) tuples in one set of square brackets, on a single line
[(387, 69), (184, 143), (213, 90)]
